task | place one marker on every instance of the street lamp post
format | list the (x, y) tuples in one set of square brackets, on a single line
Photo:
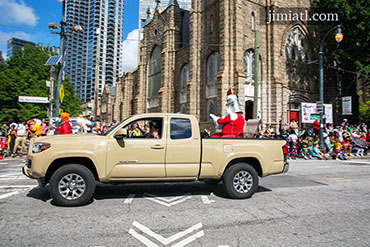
[(338, 38), (62, 49)]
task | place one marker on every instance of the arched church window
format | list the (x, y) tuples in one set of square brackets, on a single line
[(211, 24), (154, 77), (213, 67), (296, 45), (252, 21), (184, 76), (249, 65), (183, 89)]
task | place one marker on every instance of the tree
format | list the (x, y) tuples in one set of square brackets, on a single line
[(364, 109), (352, 53), (71, 103), (24, 74)]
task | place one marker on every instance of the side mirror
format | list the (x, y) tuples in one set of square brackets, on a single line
[(120, 134)]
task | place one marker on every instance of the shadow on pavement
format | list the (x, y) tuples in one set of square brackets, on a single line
[(114, 191), (40, 193)]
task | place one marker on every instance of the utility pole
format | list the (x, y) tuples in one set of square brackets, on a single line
[(338, 38), (256, 74), (61, 53)]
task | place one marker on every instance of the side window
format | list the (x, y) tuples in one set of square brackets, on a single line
[(145, 128), (180, 128)]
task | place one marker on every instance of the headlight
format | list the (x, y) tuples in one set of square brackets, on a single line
[(39, 147)]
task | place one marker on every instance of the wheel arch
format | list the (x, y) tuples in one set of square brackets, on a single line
[(254, 162), (56, 164)]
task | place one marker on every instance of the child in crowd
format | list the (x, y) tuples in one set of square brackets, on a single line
[(317, 153)]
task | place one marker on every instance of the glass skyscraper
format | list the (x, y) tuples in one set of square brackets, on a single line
[(15, 43), (144, 4), (93, 56)]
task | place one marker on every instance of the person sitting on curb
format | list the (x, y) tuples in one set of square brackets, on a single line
[(317, 153)]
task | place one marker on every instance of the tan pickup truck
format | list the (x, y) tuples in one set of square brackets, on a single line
[(72, 164)]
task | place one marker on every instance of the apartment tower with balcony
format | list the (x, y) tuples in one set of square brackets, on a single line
[(93, 56)]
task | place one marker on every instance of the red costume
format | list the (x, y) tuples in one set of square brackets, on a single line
[(232, 127), (66, 127), (233, 123), (316, 125)]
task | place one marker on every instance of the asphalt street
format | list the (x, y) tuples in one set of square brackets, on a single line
[(317, 203)]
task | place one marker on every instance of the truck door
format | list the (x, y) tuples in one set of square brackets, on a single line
[(183, 148), (138, 156)]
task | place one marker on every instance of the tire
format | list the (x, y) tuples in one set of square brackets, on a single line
[(72, 185), (240, 181)]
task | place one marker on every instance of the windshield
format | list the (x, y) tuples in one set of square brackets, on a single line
[(114, 127)]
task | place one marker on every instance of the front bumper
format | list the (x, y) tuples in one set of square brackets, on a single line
[(286, 167), (28, 173)]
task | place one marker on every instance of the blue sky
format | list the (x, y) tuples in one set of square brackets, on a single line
[(28, 19)]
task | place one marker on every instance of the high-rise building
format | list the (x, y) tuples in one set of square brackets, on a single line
[(163, 4), (93, 55), (15, 43)]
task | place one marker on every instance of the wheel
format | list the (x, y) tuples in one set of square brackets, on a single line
[(240, 181), (72, 185)]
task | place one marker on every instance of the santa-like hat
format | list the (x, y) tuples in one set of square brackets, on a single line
[(230, 94)]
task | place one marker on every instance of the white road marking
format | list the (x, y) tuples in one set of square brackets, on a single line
[(10, 175), (8, 194), (16, 186), (141, 238), (354, 161), (189, 239), (164, 240), (167, 202), (129, 199), (14, 178), (206, 200)]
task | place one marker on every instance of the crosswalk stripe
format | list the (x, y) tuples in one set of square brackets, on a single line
[(10, 174), (8, 194)]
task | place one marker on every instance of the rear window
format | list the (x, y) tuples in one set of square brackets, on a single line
[(180, 128)]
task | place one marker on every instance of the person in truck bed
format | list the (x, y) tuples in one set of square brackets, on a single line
[(233, 121)]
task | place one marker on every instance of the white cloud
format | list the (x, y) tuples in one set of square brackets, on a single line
[(130, 51), (4, 37), (16, 12)]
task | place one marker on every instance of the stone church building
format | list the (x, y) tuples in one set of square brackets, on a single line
[(189, 59)]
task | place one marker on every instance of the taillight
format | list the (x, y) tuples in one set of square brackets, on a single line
[(285, 151)]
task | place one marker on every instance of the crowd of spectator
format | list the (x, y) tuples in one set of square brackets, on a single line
[(340, 141), (15, 136)]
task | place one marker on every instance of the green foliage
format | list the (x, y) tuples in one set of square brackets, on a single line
[(71, 103), (352, 51), (24, 74), (364, 110)]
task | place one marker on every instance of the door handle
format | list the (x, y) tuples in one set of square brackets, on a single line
[(157, 146)]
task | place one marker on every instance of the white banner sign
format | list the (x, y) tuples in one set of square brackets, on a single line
[(310, 108), (347, 105), (31, 99)]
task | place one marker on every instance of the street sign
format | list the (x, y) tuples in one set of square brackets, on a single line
[(48, 83), (319, 106), (31, 99), (315, 117), (61, 93)]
